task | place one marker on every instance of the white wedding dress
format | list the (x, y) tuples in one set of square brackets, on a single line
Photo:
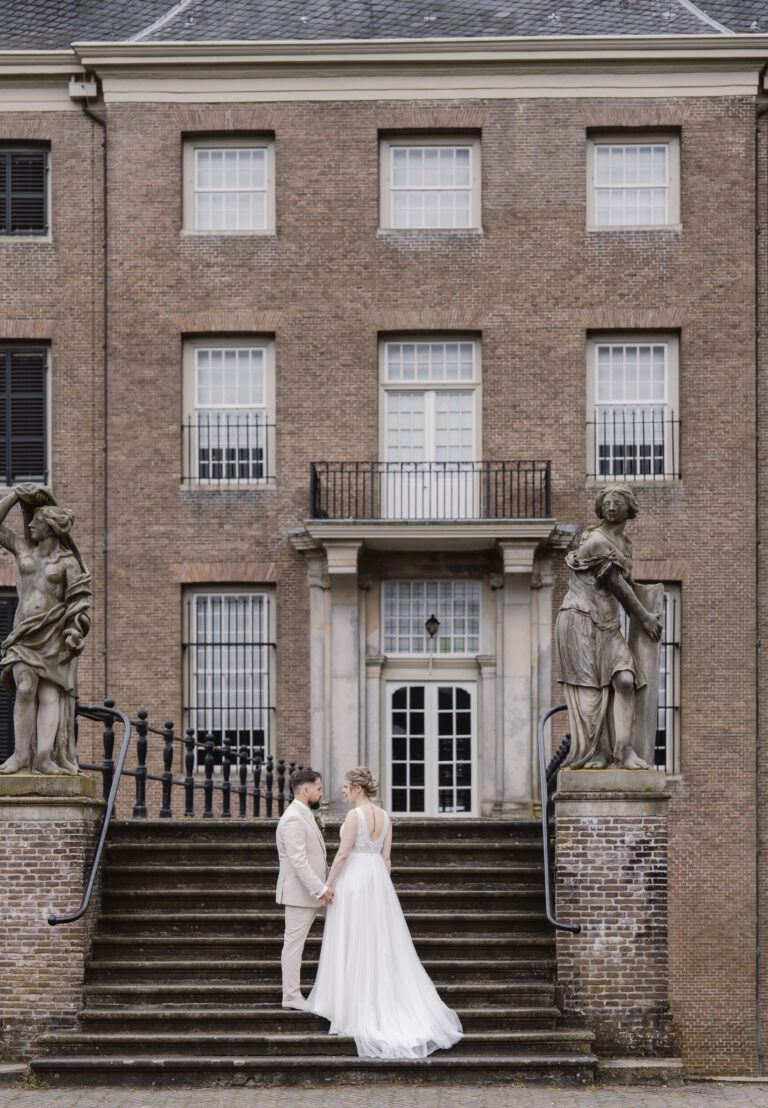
[(370, 983)]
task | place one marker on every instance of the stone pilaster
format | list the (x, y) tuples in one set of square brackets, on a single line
[(49, 827), (345, 666), (516, 676), (611, 877)]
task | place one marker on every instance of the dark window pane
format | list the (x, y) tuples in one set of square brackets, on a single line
[(463, 699), (399, 748), (400, 698), (399, 800), (464, 800), (444, 697), (417, 750), (445, 774), (417, 800), (463, 723), (417, 697), (463, 749), (399, 723), (445, 800), (464, 774), (445, 750), (417, 723), (399, 774), (445, 723), (7, 612), (417, 774)]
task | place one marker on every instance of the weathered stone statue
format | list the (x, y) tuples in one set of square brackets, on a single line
[(38, 660), (612, 720)]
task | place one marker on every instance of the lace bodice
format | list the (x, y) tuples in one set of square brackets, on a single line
[(363, 842)]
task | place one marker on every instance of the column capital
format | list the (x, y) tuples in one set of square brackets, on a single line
[(517, 557), (342, 558)]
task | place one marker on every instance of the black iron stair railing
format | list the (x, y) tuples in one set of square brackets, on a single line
[(548, 783)]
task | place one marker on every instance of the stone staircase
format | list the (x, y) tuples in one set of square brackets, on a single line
[(183, 983)]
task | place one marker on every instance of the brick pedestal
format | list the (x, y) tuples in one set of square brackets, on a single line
[(611, 877), (48, 827)]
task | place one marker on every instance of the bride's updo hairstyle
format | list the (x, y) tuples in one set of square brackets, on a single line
[(362, 777)]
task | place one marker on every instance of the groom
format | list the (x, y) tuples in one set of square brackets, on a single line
[(301, 883)]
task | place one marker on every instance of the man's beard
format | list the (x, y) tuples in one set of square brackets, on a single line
[(314, 805)]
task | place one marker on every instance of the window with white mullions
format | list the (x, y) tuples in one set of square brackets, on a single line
[(634, 181), (230, 189), (228, 433), (633, 429), (454, 749), (407, 605), (228, 678), (430, 182)]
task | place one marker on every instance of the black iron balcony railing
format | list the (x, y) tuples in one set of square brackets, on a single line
[(227, 448), (640, 443), (430, 491)]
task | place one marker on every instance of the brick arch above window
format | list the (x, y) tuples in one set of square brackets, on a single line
[(224, 573), (230, 323)]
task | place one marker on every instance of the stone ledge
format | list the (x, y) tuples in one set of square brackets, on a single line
[(63, 785), (11, 1073), (640, 1071)]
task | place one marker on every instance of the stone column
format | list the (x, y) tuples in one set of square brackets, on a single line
[(489, 748), (516, 677), (345, 707), (611, 877), (49, 827), (319, 662)]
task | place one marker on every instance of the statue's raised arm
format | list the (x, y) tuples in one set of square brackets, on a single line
[(38, 660)]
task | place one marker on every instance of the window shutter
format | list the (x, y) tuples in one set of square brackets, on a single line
[(24, 204), (22, 415), (8, 604)]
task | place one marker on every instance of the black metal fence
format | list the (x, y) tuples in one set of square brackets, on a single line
[(643, 444), (429, 491), (245, 785), (227, 448)]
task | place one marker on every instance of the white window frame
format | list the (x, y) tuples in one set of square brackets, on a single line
[(431, 647), (189, 596), (190, 460), (633, 138), (671, 400), (191, 146), (20, 147), (454, 140)]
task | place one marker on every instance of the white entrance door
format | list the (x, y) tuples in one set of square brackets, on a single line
[(431, 742), (430, 450)]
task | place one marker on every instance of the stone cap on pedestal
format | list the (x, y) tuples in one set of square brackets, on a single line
[(37, 796), (592, 792)]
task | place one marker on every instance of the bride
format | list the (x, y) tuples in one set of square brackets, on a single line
[(370, 983)]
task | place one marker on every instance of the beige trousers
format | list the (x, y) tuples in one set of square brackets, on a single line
[(298, 921)]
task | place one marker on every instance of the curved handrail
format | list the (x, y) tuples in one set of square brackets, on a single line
[(546, 810), (107, 712)]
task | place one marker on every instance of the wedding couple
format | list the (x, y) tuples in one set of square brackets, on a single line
[(370, 983)]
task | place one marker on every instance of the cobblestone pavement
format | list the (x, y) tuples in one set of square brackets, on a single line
[(690, 1096)]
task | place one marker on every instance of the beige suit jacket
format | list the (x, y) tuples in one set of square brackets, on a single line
[(301, 849)]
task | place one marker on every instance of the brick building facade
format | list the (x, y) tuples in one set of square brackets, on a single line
[(465, 381)]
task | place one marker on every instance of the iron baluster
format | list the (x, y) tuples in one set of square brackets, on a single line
[(280, 786), (208, 787), (226, 788), (269, 782), (140, 807), (108, 765), (257, 788), (167, 774), (242, 788), (189, 768)]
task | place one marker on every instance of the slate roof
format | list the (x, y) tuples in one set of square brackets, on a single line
[(55, 24)]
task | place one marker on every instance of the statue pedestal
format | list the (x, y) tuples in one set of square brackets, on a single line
[(48, 827), (611, 877)]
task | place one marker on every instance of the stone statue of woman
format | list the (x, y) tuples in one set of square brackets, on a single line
[(38, 660), (601, 675)]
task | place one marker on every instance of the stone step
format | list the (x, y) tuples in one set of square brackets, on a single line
[(573, 1068), (467, 875), (150, 947), (442, 971), (194, 921), (535, 1040), (535, 1010), (205, 899), (492, 993)]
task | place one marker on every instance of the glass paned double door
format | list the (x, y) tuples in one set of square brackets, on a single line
[(432, 748)]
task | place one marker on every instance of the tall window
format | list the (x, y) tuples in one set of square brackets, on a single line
[(228, 431), (8, 603), (633, 421), (23, 415), (667, 743), (430, 183), (409, 604), (634, 181), (229, 186), (430, 428), (229, 652), (23, 192)]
